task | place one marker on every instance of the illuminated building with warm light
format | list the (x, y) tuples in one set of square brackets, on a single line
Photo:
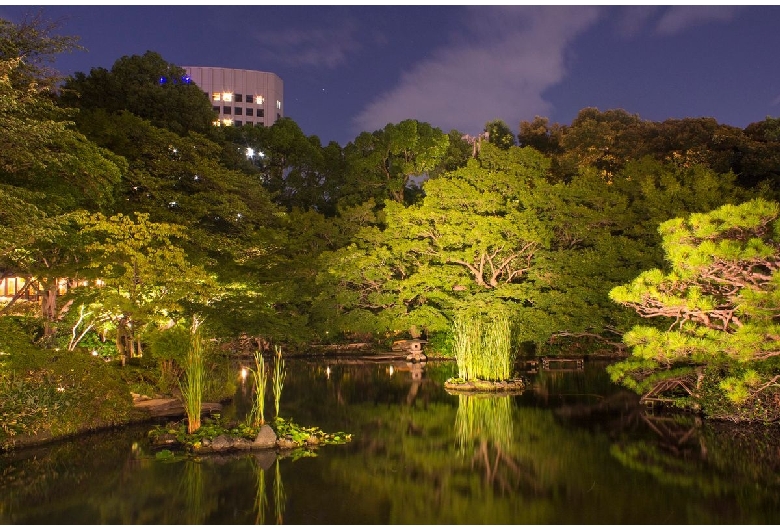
[(241, 97)]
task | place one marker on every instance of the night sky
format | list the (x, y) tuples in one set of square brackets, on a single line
[(351, 69)]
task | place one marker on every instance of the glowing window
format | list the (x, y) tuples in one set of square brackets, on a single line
[(216, 96), (278, 104), (227, 121), (227, 96), (259, 100)]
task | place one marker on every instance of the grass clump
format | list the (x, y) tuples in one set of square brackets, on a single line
[(482, 343)]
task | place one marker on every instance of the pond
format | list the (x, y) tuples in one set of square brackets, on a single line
[(571, 449)]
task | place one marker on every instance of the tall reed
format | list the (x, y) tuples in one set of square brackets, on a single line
[(194, 378), (497, 345), (467, 333), (257, 414), (482, 344), (279, 374)]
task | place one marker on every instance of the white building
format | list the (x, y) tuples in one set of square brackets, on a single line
[(241, 97)]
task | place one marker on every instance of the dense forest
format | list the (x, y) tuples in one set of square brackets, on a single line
[(127, 214)]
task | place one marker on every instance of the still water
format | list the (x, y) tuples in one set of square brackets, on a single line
[(571, 449)]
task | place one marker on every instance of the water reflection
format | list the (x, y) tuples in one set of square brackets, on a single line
[(573, 449), (484, 430)]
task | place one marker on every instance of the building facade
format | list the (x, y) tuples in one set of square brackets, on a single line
[(241, 97)]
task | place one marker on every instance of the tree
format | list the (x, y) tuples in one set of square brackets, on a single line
[(381, 164), (47, 169), (145, 277), (499, 134), (36, 43), (540, 135), (719, 299), (149, 87), (469, 238)]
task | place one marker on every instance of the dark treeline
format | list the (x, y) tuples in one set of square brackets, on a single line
[(117, 183)]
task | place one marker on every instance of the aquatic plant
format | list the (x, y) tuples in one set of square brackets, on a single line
[(194, 378), (482, 344), (257, 414), (279, 374)]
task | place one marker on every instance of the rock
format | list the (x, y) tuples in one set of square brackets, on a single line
[(222, 443), (265, 439), (242, 444)]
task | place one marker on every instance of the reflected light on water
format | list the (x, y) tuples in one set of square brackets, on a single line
[(327, 372), (390, 371), (243, 373)]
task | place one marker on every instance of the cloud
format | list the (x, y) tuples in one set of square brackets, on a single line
[(499, 67), (680, 18), (309, 47), (631, 20)]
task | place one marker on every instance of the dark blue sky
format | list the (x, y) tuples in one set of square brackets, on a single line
[(350, 69)]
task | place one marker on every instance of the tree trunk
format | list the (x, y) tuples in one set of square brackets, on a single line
[(49, 307)]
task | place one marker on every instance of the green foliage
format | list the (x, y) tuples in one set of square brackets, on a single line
[(441, 343)]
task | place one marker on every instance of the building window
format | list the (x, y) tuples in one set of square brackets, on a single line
[(260, 124), (278, 116), (250, 111), (226, 110), (249, 124), (249, 98), (227, 96), (207, 94), (278, 104), (216, 96), (216, 108), (239, 98), (237, 123), (238, 111), (259, 100), (260, 113)]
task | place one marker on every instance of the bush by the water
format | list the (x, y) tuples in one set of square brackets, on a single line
[(54, 393)]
